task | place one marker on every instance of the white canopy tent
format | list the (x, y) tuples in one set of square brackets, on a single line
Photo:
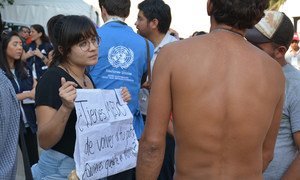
[(28, 12), (291, 9)]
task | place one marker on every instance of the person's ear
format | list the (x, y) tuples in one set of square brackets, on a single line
[(103, 11), (154, 23), (280, 52)]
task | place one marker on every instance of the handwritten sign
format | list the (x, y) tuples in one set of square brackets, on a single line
[(106, 143)]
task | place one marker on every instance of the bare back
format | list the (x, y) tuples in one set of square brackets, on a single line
[(224, 96)]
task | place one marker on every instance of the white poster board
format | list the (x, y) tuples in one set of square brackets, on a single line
[(106, 143)]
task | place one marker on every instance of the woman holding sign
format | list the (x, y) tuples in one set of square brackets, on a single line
[(75, 48)]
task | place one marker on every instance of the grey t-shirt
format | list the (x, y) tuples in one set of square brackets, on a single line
[(285, 148)]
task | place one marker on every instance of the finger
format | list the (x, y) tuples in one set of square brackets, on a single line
[(124, 90), (68, 96), (67, 89), (63, 81), (126, 97)]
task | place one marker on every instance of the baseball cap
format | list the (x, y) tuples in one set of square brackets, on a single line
[(295, 37), (274, 27)]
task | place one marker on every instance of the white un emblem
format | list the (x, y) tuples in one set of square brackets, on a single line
[(120, 56)]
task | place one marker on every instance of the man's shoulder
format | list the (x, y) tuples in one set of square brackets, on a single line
[(292, 76), (121, 33)]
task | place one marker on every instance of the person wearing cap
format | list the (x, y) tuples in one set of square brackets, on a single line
[(292, 56), (273, 35), (226, 117)]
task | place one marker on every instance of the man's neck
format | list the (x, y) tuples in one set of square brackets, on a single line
[(156, 38), (215, 25), (109, 18), (282, 62)]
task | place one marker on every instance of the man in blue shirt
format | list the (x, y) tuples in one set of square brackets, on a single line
[(122, 56)]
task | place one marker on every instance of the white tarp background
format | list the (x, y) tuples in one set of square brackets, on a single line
[(187, 16), (28, 12), (292, 9)]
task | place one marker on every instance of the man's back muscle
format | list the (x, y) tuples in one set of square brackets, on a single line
[(223, 104)]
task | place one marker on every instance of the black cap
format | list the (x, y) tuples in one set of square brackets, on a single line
[(274, 27)]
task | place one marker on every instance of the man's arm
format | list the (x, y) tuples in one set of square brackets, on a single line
[(293, 171), (152, 143), (270, 140)]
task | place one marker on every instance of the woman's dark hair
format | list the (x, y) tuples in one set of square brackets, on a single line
[(68, 31), (19, 64), (241, 14), (119, 8), (40, 29), (50, 26)]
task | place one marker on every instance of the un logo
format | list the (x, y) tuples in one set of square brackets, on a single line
[(120, 56)]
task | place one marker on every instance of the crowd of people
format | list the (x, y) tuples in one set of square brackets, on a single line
[(217, 105)]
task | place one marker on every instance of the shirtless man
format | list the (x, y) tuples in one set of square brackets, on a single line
[(226, 97)]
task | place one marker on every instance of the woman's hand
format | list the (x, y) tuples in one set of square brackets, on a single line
[(38, 53), (67, 93), (125, 94)]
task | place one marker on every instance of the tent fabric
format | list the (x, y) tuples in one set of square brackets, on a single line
[(28, 12), (291, 8)]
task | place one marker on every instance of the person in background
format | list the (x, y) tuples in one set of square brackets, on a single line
[(9, 121), (292, 56), (225, 118), (286, 161), (40, 46), (153, 22), (174, 33), (24, 33), (24, 85), (197, 33), (75, 48)]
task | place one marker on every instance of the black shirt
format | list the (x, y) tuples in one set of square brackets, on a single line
[(47, 94)]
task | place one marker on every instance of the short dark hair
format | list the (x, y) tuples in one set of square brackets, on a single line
[(68, 31), (157, 9), (238, 13), (119, 8)]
